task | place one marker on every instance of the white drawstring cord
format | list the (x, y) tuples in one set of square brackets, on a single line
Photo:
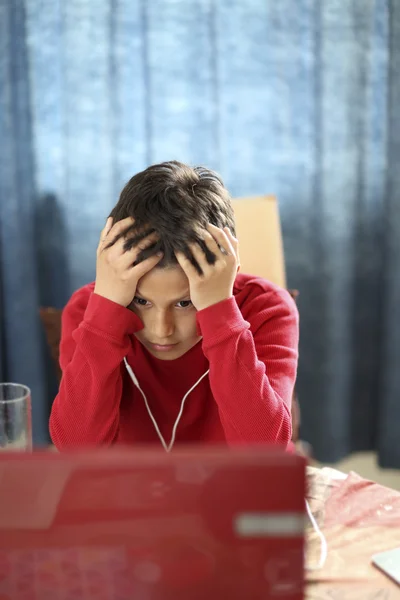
[(324, 546), (167, 447)]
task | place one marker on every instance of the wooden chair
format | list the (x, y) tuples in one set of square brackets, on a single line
[(258, 228), (261, 253), (259, 232), (51, 320)]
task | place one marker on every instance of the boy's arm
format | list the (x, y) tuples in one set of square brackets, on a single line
[(253, 370), (94, 341)]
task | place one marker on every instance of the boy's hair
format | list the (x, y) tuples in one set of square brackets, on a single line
[(176, 201)]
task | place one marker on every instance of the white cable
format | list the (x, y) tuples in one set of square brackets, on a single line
[(324, 545), (167, 447)]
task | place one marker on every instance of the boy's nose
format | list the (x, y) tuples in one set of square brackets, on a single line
[(163, 327)]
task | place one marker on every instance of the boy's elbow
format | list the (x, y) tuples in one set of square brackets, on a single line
[(283, 430)]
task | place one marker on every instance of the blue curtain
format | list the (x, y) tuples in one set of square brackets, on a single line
[(296, 98)]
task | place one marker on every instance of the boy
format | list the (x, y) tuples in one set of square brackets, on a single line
[(171, 344)]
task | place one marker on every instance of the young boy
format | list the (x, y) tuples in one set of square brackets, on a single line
[(171, 345)]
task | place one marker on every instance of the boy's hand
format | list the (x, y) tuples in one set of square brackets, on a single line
[(116, 275), (216, 282)]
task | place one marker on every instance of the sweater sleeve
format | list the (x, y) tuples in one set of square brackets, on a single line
[(253, 366), (94, 341)]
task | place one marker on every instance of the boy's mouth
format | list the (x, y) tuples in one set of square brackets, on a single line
[(163, 347)]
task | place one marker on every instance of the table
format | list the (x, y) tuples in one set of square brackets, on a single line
[(358, 518)]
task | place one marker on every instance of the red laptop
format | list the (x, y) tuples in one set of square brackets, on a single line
[(142, 525)]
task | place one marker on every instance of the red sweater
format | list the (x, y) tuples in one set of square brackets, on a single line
[(249, 344)]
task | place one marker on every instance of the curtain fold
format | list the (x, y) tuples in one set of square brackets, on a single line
[(298, 99), (21, 343)]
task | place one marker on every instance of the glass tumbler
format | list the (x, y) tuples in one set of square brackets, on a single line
[(15, 417)]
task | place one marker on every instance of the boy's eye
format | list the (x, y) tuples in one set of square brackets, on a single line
[(184, 303), (140, 301)]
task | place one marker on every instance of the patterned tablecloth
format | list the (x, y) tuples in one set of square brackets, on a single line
[(358, 518)]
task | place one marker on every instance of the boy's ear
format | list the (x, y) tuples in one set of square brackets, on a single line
[(238, 268)]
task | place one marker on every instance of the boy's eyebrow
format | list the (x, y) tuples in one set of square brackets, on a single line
[(184, 296)]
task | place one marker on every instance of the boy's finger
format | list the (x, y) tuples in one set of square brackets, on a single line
[(119, 229), (139, 240), (107, 228), (221, 239), (187, 267), (103, 235), (129, 255), (230, 235), (234, 241), (146, 265), (211, 243), (199, 256), (122, 225), (218, 248), (105, 231)]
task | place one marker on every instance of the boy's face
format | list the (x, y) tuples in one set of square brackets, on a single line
[(162, 302)]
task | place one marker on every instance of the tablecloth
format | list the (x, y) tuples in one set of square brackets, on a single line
[(358, 518)]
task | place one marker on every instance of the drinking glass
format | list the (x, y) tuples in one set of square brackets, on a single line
[(15, 417)]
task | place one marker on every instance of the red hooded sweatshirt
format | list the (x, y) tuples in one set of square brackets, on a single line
[(235, 386)]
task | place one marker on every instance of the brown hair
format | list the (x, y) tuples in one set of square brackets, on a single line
[(176, 201)]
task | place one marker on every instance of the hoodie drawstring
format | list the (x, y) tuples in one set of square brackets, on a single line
[(167, 447)]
